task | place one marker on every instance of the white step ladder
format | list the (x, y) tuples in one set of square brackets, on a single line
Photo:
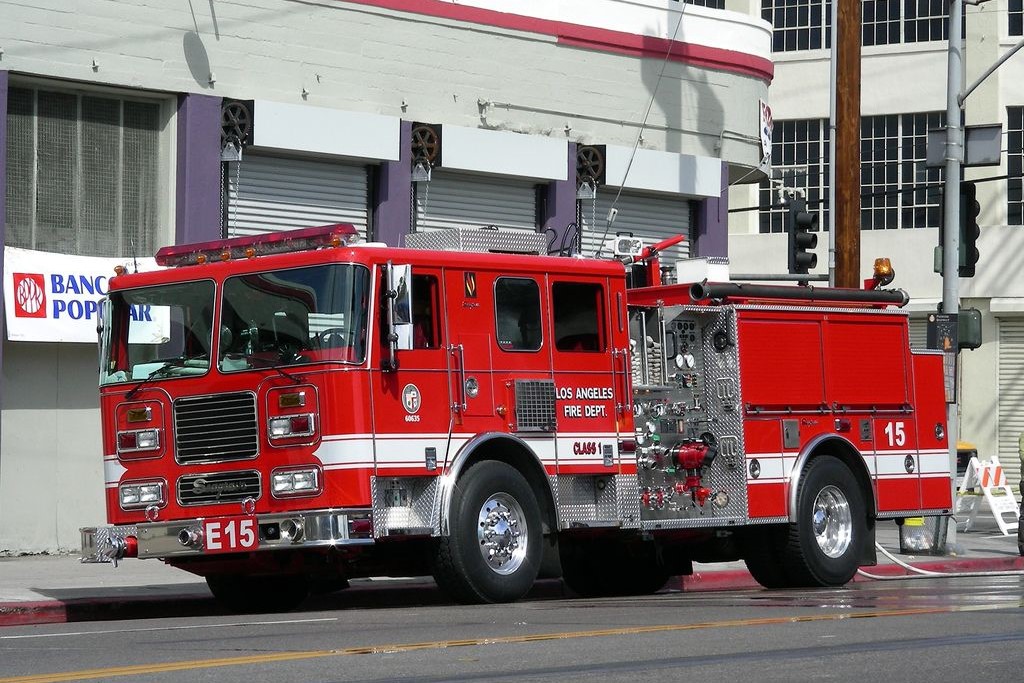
[(986, 481)]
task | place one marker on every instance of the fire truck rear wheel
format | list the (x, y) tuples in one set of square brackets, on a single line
[(493, 550), (251, 594), (824, 545)]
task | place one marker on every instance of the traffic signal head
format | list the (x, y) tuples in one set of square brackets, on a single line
[(970, 209), (802, 239)]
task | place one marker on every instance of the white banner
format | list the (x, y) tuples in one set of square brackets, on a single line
[(55, 297), (765, 125)]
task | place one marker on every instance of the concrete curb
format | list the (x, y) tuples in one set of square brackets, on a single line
[(389, 594)]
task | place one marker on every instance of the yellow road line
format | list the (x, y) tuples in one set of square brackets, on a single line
[(140, 669)]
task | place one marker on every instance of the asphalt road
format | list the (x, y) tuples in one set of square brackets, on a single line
[(930, 630)]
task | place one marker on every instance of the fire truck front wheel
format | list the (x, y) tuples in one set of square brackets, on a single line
[(493, 550), (824, 545)]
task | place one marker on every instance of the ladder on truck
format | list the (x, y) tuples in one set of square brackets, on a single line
[(986, 481)]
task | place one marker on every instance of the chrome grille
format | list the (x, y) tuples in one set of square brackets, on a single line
[(535, 405), (218, 487), (215, 428)]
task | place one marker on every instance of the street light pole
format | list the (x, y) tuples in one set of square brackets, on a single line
[(951, 201)]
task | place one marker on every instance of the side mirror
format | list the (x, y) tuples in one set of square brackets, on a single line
[(103, 334), (398, 309)]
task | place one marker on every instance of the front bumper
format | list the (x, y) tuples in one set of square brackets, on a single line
[(183, 538)]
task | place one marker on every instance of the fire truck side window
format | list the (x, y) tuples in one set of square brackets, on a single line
[(426, 334), (517, 314), (579, 325)]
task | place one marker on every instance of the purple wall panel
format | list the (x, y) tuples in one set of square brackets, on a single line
[(711, 232), (198, 212), (392, 213)]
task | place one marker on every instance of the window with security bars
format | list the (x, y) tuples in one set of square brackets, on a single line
[(924, 21), (800, 154), (890, 22), (1015, 165), (1015, 13), (897, 189), (798, 24), (713, 4), (83, 173), (806, 24)]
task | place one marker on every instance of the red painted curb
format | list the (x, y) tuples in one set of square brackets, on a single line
[(22, 613), (92, 609), (738, 579), (947, 566)]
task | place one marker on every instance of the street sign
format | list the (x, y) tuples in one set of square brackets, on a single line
[(982, 146)]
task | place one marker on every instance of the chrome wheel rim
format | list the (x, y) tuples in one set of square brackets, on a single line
[(502, 533), (832, 521)]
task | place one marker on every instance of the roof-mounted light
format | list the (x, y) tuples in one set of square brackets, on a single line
[(304, 239), (882, 274)]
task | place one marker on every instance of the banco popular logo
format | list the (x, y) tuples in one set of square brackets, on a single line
[(411, 398), (29, 295)]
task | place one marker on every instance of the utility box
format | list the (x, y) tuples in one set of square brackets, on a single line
[(969, 331)]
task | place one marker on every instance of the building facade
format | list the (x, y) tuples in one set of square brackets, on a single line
[(903, 96), (126, 126)]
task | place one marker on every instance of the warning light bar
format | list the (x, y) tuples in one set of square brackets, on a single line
[(250, 246)]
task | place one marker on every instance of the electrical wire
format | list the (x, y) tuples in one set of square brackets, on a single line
[(640, 132)]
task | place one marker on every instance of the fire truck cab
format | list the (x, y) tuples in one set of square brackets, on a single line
[(283, 413)]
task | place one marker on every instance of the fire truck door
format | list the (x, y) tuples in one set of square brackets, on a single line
[(586, 392), (469, 322), (411, 405)]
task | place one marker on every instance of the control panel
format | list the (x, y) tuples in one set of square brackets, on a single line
[(677, 359)]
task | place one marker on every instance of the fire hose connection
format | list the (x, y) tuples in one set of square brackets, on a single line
[(190, 538), (292, 530)]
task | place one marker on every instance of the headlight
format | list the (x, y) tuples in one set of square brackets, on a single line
[(296, 482), (290, 425), (138, 440), (142, 494)]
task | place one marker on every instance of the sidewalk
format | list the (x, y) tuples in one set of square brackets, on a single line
[(41, 589)]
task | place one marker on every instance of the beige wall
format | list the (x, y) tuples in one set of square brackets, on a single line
[(51, 462)]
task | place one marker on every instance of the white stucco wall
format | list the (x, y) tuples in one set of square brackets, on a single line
[(362, 58)]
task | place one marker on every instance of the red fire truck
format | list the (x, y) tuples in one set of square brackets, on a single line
[(284, 412)]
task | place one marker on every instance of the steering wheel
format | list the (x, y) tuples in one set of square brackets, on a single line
[(334, 338)]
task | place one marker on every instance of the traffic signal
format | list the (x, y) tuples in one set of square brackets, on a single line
[(799, 225), (970, 209)]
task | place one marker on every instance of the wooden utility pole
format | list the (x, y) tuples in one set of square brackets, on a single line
[(846, 213)]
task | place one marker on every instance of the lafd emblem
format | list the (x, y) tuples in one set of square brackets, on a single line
[(411, 398)]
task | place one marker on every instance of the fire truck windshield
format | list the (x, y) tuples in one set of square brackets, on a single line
[(294, 316), (163, 331)]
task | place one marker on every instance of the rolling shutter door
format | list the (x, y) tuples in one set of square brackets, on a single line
[(1010, 397), (450, 200), (276, 193), (651, 217)]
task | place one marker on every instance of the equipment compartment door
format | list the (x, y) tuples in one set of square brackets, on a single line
[(897, 464)]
